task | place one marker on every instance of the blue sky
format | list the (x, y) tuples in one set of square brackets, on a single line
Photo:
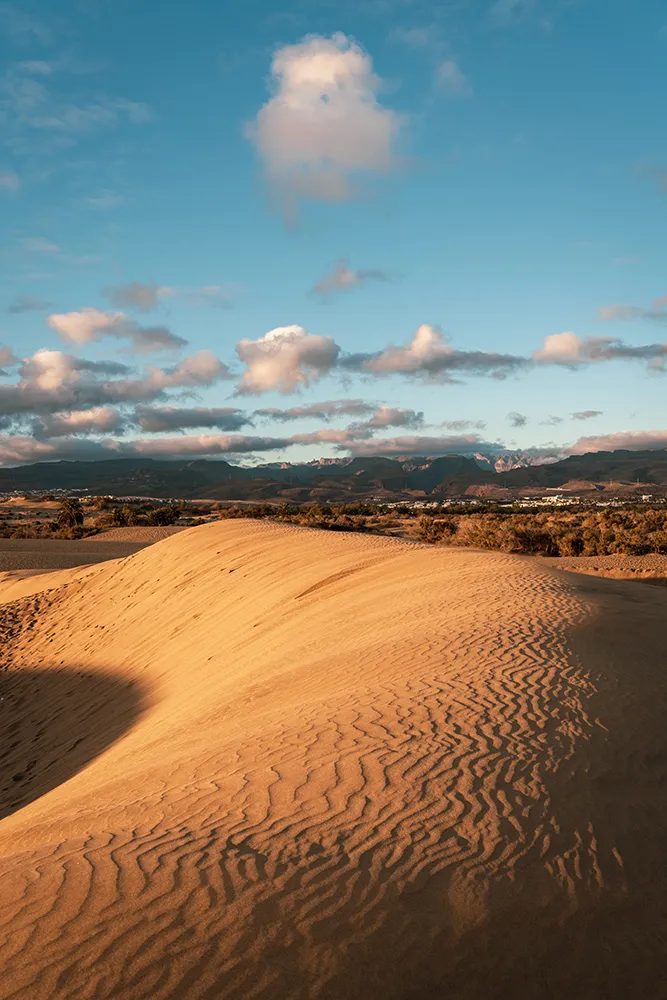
[(179, 180)]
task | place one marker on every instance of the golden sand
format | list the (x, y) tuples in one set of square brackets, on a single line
[(258, 761)]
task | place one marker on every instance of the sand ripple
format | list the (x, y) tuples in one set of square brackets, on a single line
[(364, 768)]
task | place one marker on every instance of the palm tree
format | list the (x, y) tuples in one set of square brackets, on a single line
[(70, 513)]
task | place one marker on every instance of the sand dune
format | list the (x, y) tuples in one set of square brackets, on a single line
[(42, 554), (146, 535), (257, 761), (18, 583)]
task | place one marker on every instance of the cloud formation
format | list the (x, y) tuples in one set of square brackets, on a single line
[(428, 354), (586, 414), (327, 410), (463, 425), (97, 420), (137, 295), (570, 350), (628, 440), (344, 279), (159, 419), (517, 419), (394, 416), (657, 312), (54, 382), (466, 444), (16, 449), (144, 297), (7, 360), (324, 125), (285, 359), (88, 325)]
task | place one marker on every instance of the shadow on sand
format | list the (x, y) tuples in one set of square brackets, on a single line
[(53, 723)]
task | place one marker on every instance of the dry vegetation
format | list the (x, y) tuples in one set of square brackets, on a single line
[(71, 518), (629, 531)]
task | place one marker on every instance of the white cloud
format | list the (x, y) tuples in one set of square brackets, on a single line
[(88, 325), (427, 345), (628, 440), (284, 359), (84, 326), (98, 419), (53, 382), (560, 348), (395, 416), (429, 354), (199, 369), (49, 370), (324, 125), (517, 419), (569, 349)]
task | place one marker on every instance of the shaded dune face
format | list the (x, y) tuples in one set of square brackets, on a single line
[(53, 723), (365, 769)]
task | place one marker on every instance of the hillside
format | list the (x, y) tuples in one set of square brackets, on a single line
[(254, 761), (451, 475)]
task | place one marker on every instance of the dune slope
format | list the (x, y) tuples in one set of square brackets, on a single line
[(256, 761)]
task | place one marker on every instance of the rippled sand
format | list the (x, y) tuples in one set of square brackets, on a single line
[(258, 761)]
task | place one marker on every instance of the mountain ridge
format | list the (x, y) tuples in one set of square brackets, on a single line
[(354, 478)]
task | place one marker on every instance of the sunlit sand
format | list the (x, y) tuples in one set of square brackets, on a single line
[(258, 761)]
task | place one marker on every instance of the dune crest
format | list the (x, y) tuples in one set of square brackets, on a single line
[(336, 767)]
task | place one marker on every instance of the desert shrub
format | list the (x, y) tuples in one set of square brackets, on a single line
[(70, 514), (431, 530), (164, 516), (570, 544)]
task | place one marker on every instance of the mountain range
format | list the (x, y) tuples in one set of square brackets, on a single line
[(339, 480)]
